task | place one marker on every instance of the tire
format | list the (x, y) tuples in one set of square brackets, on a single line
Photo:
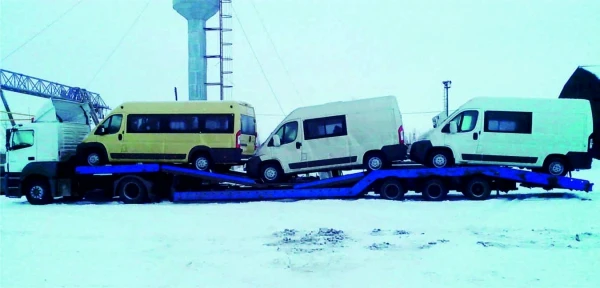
[(374, 161), (478, 188), (440, 159), (434, 190), (556, 166), (132, 191), (201, 162), (37, 192), (94, 157), (271, 173), (391, 189)]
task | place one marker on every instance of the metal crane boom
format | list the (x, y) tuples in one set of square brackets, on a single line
[(24, 84)]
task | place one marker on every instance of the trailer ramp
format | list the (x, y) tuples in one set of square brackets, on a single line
[(312, 190)]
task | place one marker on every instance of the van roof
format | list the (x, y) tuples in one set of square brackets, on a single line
[(522, 103), (165, 106), (347, 106)]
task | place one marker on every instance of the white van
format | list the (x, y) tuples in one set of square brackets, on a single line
[(546, 135), (345, 135)]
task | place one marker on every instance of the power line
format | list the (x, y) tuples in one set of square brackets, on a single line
[(256, 58), (119, 44), (43, 30), (276, 52)]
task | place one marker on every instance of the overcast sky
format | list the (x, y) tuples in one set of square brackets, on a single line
[(333, 50)]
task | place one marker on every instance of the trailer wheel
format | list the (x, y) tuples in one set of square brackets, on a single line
[(478, 188), (132, 191), (37, 192), (434, 190), (391, 189)]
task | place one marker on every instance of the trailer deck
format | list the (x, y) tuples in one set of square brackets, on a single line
[(391, 184)]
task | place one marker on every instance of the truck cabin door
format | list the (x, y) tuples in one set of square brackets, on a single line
[(21, 149)]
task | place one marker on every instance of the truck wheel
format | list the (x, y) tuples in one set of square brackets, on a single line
[(37, 192), (434, 190), (392, 189), (132, 191), (477, 188), (271, 173), (201, 162)]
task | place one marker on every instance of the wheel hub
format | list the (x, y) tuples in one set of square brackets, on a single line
[(270, 173), (556, 168), (477, 189), (439, 160), (375, 163), (36, 192), (131, 191), (93, 159), (201, 163)]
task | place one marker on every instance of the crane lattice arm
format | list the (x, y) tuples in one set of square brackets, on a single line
[(20, 83)]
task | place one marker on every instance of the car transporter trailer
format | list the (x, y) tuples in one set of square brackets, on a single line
[(141, 183)]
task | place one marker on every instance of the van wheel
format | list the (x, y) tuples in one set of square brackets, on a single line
[(440, 159), (201, 162), (271, 173), (556, 166), (374, 161), (37, 192)]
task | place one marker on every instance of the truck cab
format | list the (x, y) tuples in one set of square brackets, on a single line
[(39, 152)]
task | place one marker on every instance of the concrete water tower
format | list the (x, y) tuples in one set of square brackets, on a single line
[(196, 12)]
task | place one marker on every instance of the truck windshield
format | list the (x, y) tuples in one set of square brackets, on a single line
[(21, 139)]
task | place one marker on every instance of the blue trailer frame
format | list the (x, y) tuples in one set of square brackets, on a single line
[(347, 186)]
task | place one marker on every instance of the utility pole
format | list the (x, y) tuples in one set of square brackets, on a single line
[(447, 84)]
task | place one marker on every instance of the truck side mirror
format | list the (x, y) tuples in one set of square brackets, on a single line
[(276, 140), (7, 142), (453, 128)]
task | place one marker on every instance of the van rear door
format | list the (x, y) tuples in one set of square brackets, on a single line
[(247, 135)]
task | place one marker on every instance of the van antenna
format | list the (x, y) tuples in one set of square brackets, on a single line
[(175, 89)]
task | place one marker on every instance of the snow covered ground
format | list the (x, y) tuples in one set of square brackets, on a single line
[(521, 239)]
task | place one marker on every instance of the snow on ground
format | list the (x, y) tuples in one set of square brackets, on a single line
[(521, 239)]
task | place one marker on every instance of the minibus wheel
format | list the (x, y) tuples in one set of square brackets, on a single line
[(439, 158), (201, 162)]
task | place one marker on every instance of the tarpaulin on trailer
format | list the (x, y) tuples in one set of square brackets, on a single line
[(584, 83)]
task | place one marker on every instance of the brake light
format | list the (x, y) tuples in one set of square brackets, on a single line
[(401, 134), (238, 139)]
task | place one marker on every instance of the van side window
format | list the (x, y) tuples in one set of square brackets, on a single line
[(183, 124), (143, 123), (466, 121), (325, 127), (287, 133), (508, 122), (217, 123)]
